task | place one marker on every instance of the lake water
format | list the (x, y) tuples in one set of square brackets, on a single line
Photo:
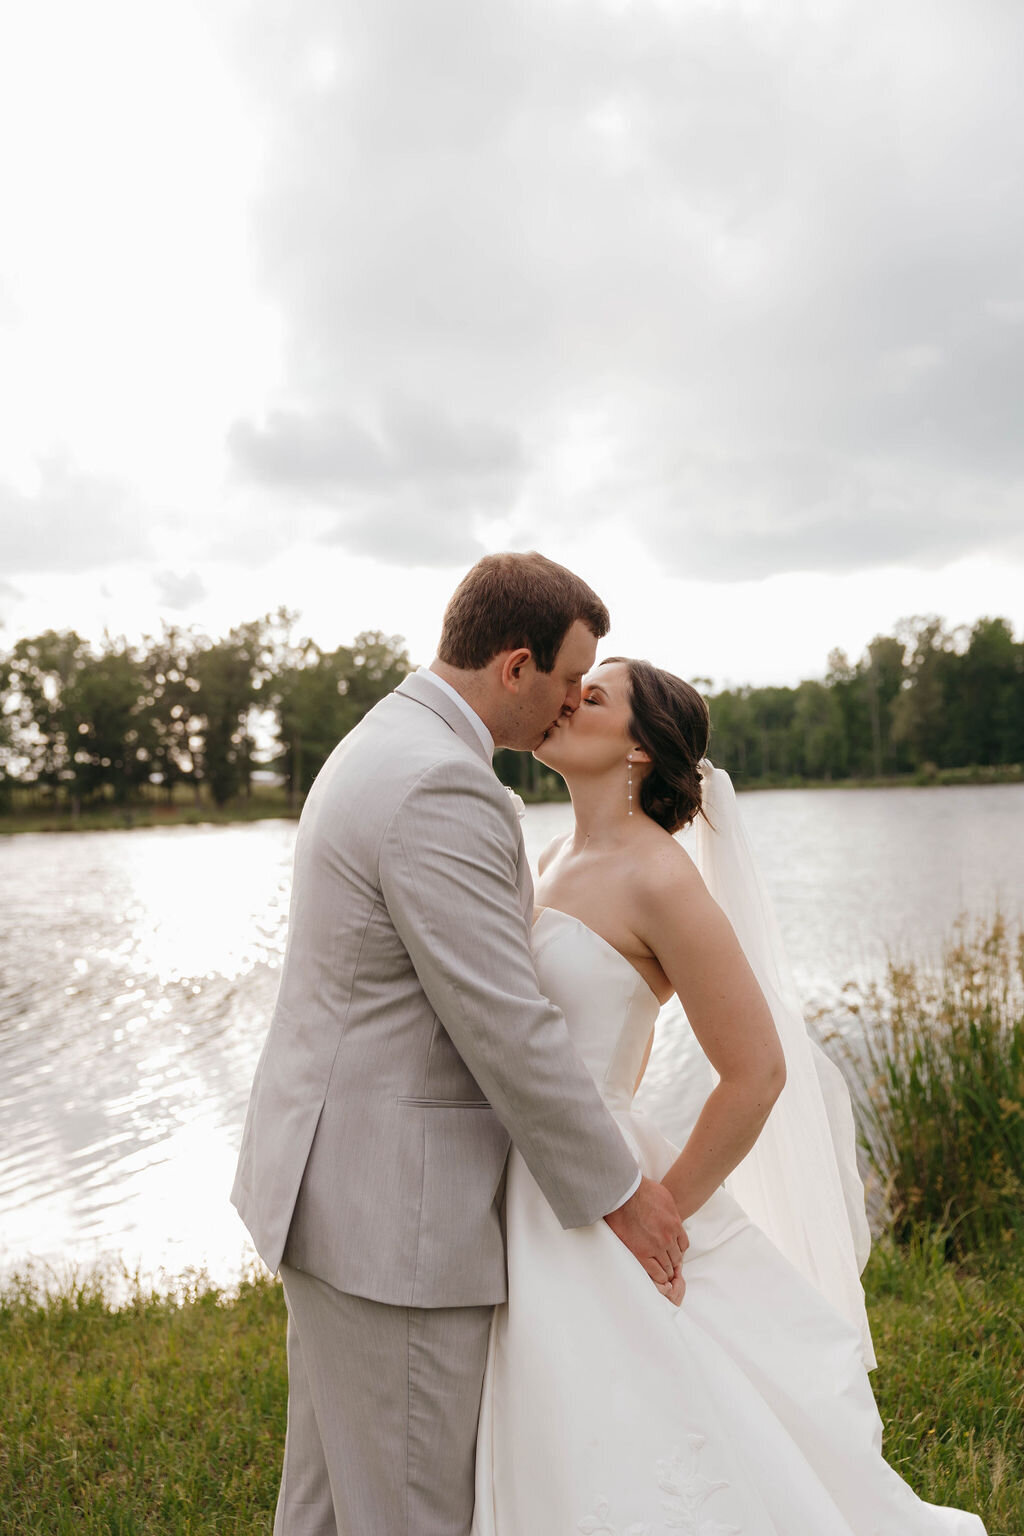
[(138, 972)]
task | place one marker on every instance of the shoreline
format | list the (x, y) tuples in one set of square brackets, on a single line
[(275, 807)]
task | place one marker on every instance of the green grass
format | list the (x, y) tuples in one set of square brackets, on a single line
[(950, 1378), (167, 1415), (31, 812), (938, 1061), (927, 776), (34, 815)]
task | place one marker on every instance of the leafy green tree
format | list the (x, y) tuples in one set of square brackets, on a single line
[(113, 746), (992, 683), (8, 746), (771, 717), (922, 713), (313, 713), (376, 665), (733, 738), (881, 672), (846, 684), (78, 716), (819, 746), (320, 695), (42, 672), (229, 673), (171, 693)]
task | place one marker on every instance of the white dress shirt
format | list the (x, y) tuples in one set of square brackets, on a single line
[(467, 709)]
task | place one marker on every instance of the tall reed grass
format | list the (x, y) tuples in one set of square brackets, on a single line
[(939, 1064)]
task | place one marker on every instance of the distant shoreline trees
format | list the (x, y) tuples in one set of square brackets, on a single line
[(81, 724), (115, 723), (925, 699)]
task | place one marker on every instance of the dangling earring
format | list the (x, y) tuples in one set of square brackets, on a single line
[(629, 784)]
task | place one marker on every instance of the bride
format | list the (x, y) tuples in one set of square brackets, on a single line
[(738, 1404)]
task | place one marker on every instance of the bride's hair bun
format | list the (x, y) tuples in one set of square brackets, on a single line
[(670, 721)]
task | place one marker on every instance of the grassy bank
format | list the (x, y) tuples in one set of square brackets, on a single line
[(167, 1416), (926, 777), (33, 815), (950, 1379)]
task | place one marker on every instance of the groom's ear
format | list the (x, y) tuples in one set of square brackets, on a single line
[(513, 667)]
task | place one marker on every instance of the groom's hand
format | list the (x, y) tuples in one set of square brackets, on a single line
[(650, 1227)]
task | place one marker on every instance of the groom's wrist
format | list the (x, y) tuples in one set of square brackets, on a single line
[(630, 1192)]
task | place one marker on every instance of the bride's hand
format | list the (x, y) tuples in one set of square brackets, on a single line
[(674, 1289), (649, 1225)]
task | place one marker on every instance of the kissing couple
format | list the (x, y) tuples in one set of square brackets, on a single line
[(514, 1307)]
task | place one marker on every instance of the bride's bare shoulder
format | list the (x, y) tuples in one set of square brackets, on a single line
[(552, 848), (666, 871)]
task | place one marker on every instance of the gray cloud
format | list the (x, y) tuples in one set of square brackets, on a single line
[(409, 535), (856, 525), (179, 591), (411, 489), (416, 445), (71, 522), (748, 276)]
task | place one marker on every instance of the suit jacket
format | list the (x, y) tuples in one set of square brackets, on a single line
[(410, 1040)]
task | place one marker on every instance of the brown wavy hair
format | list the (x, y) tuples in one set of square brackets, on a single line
[(669, 719)]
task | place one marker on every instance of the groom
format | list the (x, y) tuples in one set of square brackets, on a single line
[(409, 1043)]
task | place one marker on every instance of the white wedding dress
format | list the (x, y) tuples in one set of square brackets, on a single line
[(608, 1411)]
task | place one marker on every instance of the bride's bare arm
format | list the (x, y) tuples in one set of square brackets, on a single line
[(701, 956)]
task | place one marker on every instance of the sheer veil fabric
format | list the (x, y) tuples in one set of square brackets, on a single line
[(800, 1182)]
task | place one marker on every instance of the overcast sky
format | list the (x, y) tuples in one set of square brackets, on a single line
[(312, 303)]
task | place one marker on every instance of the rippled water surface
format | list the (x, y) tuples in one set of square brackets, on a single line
[(138, 972), (138, 975)]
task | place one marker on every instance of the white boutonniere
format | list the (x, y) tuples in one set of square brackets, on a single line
[(517, 801)]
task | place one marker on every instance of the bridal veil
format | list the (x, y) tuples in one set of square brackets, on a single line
[(800, 1182)]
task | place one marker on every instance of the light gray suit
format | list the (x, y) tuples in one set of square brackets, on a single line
[(409, 1043)]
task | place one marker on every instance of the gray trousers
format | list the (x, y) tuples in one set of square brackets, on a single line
[(383, 1405)]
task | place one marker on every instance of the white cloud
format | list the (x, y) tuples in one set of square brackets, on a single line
[(9, 596), (69, 521), (179, 591), (130, 330)]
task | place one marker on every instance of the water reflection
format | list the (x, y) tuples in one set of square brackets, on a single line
[(139, 974), (854, 874), (139, 971)]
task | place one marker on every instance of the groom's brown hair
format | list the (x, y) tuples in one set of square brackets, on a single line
[(512, 600)]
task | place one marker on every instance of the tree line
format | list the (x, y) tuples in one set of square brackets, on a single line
[(81, 723), (924, 699)]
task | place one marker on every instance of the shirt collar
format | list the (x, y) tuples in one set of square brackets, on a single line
[(470, 713)]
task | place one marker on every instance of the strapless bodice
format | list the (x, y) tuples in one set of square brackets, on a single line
[(608, 1006)]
